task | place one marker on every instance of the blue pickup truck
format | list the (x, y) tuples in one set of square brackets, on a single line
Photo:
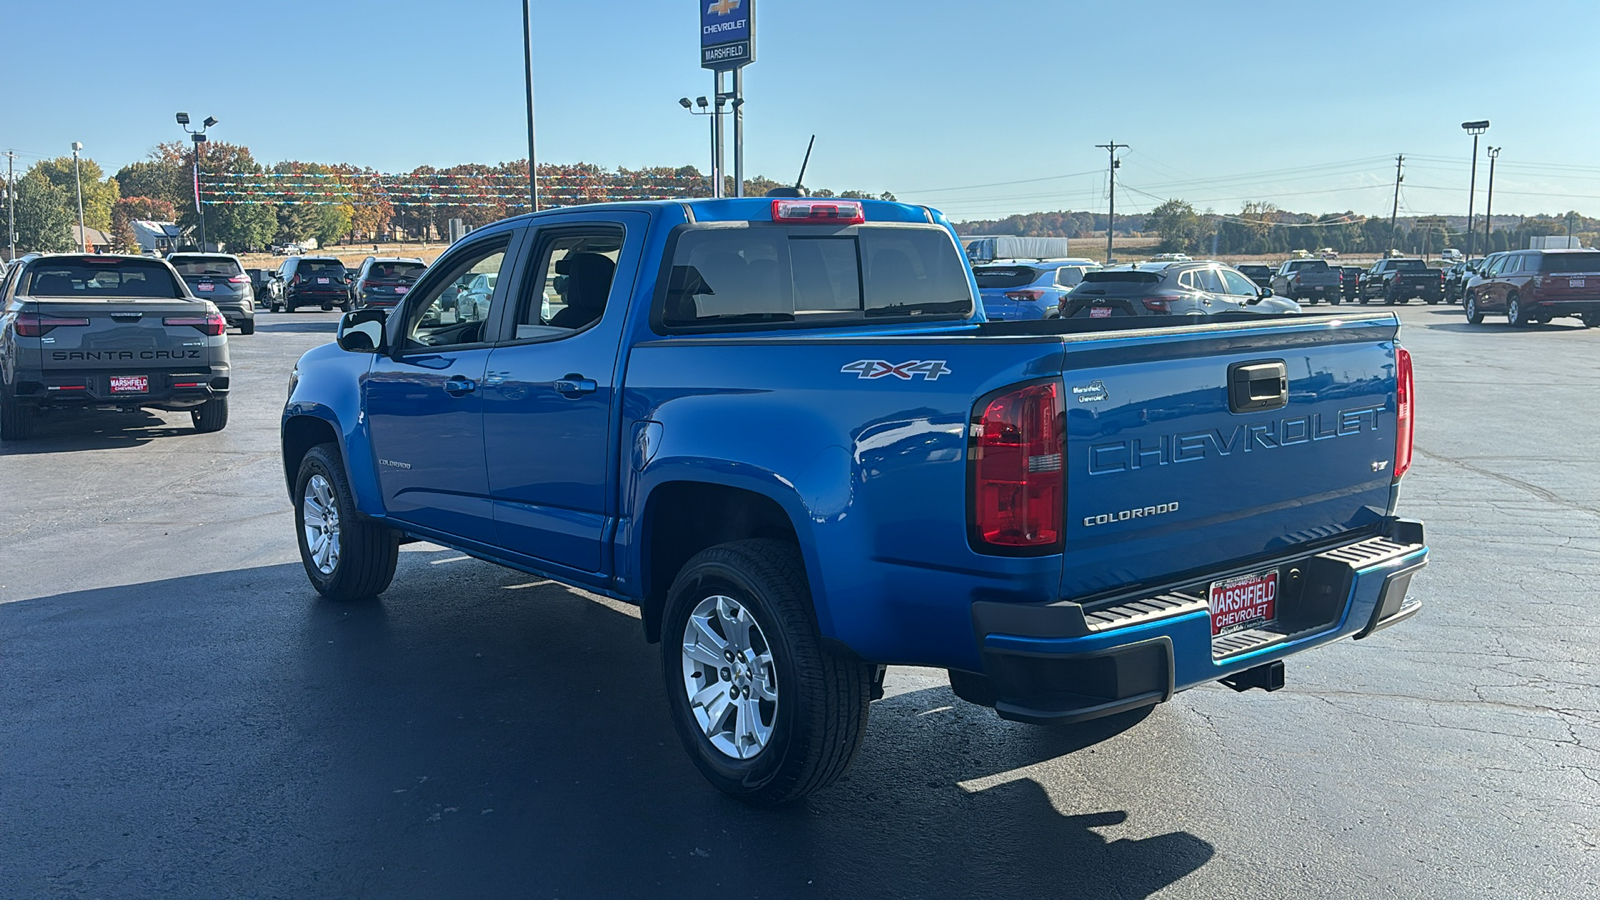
[(783, 429)]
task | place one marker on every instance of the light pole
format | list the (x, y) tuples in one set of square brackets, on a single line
[(198, 135), (78, 183), (716, 135), (1488, 208), (1474, 129), (527, 63)]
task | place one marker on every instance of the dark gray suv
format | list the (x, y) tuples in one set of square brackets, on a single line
[(1194, 288), (221, 279)]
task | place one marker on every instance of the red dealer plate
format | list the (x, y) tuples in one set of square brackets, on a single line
[(130, 384), (1099, 312), (322, 281), (206, 286), (1244, 602), (401, 290)]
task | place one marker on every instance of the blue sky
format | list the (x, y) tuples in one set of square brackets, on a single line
[(1296, 103)]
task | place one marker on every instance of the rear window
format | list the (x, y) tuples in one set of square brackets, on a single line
[(1570, 262), (1314, 265), (782, 274), (1410, 265), (191, 266), (1120, 282), (1004, 276), (403, 271), (100, 278), (323, 267)]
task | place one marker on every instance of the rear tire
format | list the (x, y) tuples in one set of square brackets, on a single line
[(356, 559), (1590, 320), (210, 416), (1516, 316), (16, 419), (248, 326), (818, 697)]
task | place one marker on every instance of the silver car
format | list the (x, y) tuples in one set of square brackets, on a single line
[(220, 278), (1193, 288)]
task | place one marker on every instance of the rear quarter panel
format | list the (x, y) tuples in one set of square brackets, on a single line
[(871, 471)]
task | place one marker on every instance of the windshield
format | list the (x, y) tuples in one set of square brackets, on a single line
[(193, 266), (1570, 262), (780, 274), (100, 277), (1004, 276)]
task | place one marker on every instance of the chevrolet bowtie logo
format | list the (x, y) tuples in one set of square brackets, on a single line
[(723, 7)]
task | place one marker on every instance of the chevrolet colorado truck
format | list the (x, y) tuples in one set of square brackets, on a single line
[(82, 331), (783, 429), (1308, 280)]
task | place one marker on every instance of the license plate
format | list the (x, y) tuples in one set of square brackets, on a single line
[(130, 384), (322, 281), (1099, 312), (1575, 282), (206, 287), (401, 290), (1244, 602)]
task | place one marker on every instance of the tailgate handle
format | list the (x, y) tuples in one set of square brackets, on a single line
[(129, 316), (1259, 385)]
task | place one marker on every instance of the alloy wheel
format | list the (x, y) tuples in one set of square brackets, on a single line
[(729, 677), (320, 514)]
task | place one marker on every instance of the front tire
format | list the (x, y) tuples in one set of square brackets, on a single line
[(345, 558), (210, 416), (1470, 307), (1516, 316), (766, 712)]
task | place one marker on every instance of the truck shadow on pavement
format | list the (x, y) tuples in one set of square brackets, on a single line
[(64, 431), (475, 733)]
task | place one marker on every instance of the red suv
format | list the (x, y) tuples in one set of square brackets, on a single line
[(1537, 286)]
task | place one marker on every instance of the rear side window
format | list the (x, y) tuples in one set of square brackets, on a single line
[(779, 274), (190, 266), (1570, 262), (100, 278), (998, 277)]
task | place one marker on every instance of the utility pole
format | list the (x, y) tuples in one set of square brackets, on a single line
[(527, 60), (11, 201), (1111, 220), (1488, 208), (1394, 214)]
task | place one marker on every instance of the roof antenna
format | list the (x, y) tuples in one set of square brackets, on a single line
[(799, 183)]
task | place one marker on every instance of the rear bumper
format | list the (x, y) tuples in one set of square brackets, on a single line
[(168, 390), (1576, 307), (1065, 662)]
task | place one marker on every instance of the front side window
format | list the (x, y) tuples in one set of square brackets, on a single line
[(1238, 285), (452, 311), (779, 274)]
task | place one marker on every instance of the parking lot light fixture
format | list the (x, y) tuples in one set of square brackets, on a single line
[(1473, 128), (198, 136), (716, 155), (183, 118), (78, 183)]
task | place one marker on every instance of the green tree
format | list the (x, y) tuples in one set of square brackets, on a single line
[(44, 223), (333, 223), (1176, 222), (99, 193), (163, 179)]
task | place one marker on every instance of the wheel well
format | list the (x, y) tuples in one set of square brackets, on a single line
[(683, 518), (300, 434)]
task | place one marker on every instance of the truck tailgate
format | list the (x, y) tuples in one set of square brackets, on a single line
[(1172, 470), (125, 336)]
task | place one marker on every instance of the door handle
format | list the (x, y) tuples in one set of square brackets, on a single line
[(576, 384), (458, 386)]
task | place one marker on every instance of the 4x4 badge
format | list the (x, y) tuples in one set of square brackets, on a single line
[(929, 369)]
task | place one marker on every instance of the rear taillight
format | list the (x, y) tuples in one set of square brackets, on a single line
[(1024, 296), (822, 212), (1406, 407), (34, 325), (238, 279), (296, 279), (1538, 281), (1161, 303), (1018, 491), (211, 323)]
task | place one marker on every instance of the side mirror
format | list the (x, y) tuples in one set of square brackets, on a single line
[(1265, 293), (362, 331)]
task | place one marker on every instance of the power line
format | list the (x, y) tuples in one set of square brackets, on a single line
[(973, 187)]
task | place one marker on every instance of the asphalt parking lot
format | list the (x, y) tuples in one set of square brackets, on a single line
[(181, 717)]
